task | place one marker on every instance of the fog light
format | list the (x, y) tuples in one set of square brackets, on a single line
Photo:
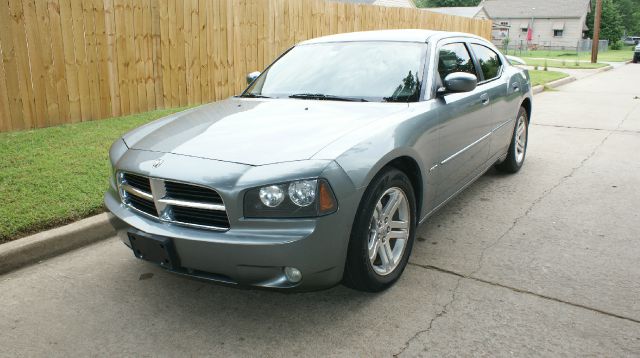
[(293, 274)]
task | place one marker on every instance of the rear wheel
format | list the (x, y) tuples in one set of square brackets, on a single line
[(518, 147), (382, 234)]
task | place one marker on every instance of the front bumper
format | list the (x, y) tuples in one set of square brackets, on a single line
[(254, 252)]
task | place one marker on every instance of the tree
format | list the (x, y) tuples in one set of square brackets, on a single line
[(630, 13), (611, 22), (446, 3)]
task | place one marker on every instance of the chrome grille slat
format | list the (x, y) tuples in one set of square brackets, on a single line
[(193, 204), (137, 192), (174, 202), (137, 181)]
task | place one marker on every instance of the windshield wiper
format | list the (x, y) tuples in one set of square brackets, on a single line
[(253, 95), (327, 97)]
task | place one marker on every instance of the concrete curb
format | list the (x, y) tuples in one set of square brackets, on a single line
[(563, 81), (31, 249)]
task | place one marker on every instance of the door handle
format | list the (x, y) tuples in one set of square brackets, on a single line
[(484, 98), (516, 87)]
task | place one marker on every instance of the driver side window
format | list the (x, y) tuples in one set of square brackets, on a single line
[(455, 58)]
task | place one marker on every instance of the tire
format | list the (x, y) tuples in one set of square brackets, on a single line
[(516, 154), (361, 272)]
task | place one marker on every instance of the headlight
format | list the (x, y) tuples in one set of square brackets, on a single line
[(295, 199)]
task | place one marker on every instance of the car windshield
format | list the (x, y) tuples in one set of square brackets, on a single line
[(347, 71)]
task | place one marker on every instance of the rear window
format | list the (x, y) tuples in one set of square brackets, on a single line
[(489, 61)]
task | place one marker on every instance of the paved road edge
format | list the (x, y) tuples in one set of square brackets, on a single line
[(563, 81), (32, 249)]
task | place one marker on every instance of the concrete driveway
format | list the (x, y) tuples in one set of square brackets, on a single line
[(543, 263)]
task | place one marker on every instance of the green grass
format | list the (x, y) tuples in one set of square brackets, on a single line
[(625, 54), (544, 77), (52, 176), (571, 64)]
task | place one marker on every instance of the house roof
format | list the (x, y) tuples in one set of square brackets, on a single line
[(526, 9), (467, 11), (389, 3)]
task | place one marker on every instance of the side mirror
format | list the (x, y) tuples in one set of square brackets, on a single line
[(252, 77), (460, 82)]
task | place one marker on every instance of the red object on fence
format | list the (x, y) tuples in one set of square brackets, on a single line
[(530, 34)]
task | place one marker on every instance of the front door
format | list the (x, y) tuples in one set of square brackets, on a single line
[(465, 123)]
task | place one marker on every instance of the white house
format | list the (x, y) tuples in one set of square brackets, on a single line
[(553, 23)]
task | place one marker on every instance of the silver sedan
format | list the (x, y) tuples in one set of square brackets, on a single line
[(321, 170)]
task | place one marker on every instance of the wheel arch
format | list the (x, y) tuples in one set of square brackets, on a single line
[(406, 161), (526, 103)]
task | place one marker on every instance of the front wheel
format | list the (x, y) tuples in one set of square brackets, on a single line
[(518, 147), (382, 234)]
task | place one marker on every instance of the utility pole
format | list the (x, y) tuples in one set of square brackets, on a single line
[(596, 32)]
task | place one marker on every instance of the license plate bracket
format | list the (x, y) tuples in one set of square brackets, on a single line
[(157, 249)]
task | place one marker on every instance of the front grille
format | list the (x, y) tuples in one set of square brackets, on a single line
[(137, 181), (188, 192), (200, 217), (174, 202), (142, 204)]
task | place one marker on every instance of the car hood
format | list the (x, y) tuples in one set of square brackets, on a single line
[(257, 131)]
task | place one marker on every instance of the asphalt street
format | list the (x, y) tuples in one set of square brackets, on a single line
[(542, 263)]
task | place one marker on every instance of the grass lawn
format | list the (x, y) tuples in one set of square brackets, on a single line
[(53, 176), (572, 64), (544, 77), (625, 54)]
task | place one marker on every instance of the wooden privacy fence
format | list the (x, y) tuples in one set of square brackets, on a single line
[(65, 61)]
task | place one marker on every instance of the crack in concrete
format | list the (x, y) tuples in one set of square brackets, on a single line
[(515, 222), (548, 191), (587, 128), (442, 312), (523, 291)]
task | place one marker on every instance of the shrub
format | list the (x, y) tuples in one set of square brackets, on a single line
[(616, 45)]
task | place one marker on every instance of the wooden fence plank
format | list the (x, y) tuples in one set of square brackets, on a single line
[(36, 53), (181, 49), (112, 57), (102, 53), (44, 28), (16, 120), (157, 54), (139, 50), (5, 113), (195, 52), (130, 57), (121, 56), (81, 62), (203, 61), (165, 50), (91, 47), (147, 54), (22, 59)]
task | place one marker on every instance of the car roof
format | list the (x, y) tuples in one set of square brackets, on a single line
[(404, 35)]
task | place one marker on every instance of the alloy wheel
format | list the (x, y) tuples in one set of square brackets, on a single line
[(389, 231)]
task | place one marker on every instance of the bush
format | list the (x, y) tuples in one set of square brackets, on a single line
[(616, 45)]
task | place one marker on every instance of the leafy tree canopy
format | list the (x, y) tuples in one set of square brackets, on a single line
[(611, 23)]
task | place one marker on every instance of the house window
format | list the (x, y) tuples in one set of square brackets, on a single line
[(504, 23), (524, 30), (557, 33)]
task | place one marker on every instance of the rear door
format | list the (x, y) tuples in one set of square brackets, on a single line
[(465, 121), (503, 101)]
